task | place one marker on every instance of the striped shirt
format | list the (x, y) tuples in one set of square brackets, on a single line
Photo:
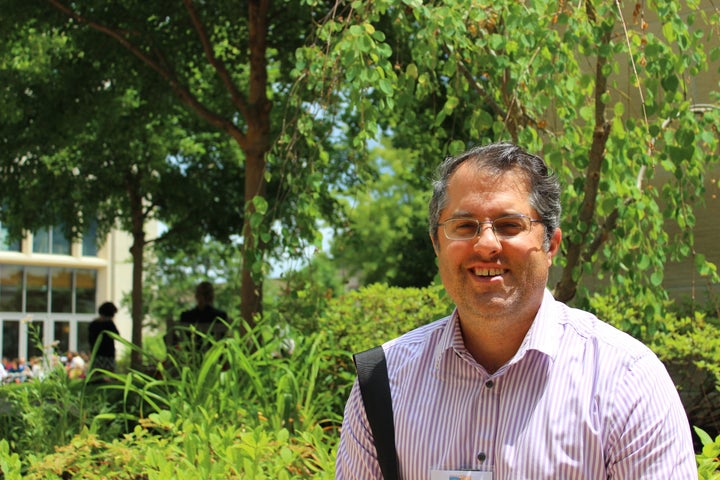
[(579, 400)]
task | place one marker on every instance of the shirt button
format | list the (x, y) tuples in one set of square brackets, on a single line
[(481, 457), (489, 384)]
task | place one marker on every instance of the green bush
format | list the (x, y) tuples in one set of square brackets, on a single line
[(183, 450), (707, 459), (246, 409), (377, 313), (39, 415), (690, 350)]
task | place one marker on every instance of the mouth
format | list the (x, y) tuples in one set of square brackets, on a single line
[(488, 272)]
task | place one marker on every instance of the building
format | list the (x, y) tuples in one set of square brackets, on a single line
[(50, 290)]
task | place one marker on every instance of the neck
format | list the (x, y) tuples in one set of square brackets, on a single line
[(493, 343)]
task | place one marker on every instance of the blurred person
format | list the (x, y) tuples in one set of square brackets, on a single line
[(204, 311), (204, 317), (75, 366), (101, 342)]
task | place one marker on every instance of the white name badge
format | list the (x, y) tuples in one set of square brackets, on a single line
[(460, 475)]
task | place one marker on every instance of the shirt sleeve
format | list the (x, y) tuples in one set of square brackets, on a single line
[(650, 435), (356, 456)]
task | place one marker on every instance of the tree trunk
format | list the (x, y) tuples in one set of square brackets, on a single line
[(137, 252), (253, 247), (256, 145), (575, 251)]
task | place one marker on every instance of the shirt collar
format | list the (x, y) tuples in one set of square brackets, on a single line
[(543, 336)]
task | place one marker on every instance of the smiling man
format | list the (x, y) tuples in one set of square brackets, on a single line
[(515, 385)]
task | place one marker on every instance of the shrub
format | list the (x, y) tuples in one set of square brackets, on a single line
[(691, 352), (243, 410), (707, 459), (377, 313), (183, 450)]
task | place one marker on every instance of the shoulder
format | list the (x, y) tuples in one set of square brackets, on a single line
[(418, 344), (618, 363), (584, 326)]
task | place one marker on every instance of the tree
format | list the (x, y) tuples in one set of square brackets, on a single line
[(603, 96), (216, 61), (83, 149), (386, 239)]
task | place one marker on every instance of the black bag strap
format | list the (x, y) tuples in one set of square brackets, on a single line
[(375, 389)]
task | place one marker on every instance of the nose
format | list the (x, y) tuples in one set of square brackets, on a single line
[(486, 239)]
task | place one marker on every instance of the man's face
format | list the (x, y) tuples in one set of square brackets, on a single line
[(492, 280)]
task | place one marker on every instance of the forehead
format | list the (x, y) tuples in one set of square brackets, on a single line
[(470, 186)]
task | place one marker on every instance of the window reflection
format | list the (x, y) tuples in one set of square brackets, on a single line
[(11, 334), (61, 294), (41, 241), (89, 241), (5, 243), (60, 242), (51, 240), (61, 334), (83, 337), (37, 289), (85, 281), (11, 288)]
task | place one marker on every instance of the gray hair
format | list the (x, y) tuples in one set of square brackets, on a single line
[(499, 158)]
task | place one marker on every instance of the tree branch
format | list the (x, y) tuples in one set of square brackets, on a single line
[(567, 286), (237, 98), (180, 90)]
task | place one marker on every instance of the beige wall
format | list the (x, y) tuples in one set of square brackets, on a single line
[(681, 278)]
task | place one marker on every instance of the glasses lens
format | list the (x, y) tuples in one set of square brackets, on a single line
[(461, 228), (509, 227)]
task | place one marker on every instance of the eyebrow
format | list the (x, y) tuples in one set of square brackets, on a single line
[(466, 214)]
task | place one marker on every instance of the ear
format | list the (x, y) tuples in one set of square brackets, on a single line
[(554, 248)]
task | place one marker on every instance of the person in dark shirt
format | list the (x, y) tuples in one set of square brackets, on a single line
[(204, 317), (204, 311), (102, 343)]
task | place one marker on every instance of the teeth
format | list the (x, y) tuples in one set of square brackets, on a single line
[(488, 272)]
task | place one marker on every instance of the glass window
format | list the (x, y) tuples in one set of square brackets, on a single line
[(41, 241), (11, 277), (35, 338), (89, 241), (51, 240), (60, 242), (37, 289), (85, 281), (61, 335), (83, 337), (10, 339), (61, 293), (5, 243)]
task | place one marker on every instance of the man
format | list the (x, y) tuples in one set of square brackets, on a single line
[(204, 317), (515, 385), (204, 311), (101, 342)]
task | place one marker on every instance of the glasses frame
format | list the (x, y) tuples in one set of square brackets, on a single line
[(480, 224)]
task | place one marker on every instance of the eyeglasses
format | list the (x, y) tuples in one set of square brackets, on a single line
[(504, 228)]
